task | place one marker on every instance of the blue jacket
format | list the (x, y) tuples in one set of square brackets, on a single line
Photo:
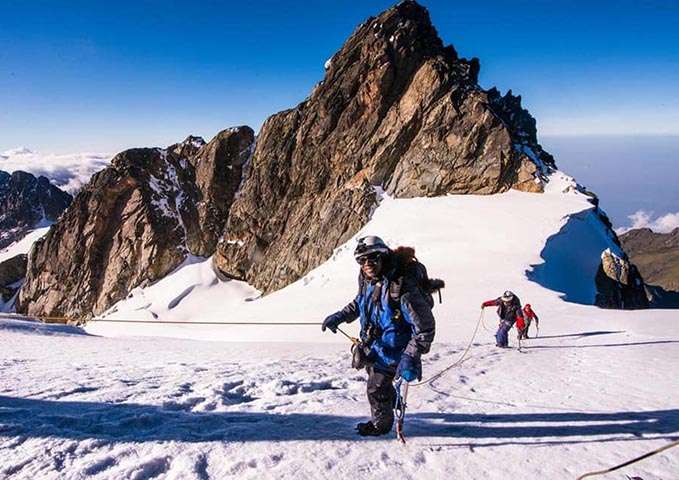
[(395, 315)]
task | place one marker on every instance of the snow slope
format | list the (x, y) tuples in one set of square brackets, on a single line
[(24, 245), (596, 388), (77, 406)]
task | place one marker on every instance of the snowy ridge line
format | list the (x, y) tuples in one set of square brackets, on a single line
[(630, 462)]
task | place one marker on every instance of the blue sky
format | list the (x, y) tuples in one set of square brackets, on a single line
[(102, 76)]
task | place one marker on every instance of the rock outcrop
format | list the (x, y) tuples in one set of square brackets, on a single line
[(619, 284), (657, 257), (26, 201), (135, 222), (398, 111)]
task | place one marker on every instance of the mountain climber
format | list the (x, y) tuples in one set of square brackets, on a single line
[(528, 315), (509, 311), (397, 325)]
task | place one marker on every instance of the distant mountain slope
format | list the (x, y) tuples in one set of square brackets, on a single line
[(657, 257), (27, 202), (69, 172)]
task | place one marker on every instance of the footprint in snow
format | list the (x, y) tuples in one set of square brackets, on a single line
[(234, 393), (184, 405)]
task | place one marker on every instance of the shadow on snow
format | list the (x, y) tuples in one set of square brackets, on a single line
[(582, 334), (571, 259), (128, 422)]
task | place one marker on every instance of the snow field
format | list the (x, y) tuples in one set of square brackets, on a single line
[(144, 407)]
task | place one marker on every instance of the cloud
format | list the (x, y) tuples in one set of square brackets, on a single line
[(643, 219), (69, 171)]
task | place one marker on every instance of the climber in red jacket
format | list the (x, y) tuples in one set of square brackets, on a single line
[(528, 315)]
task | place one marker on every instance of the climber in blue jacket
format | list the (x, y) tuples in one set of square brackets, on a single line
[(397, 325)]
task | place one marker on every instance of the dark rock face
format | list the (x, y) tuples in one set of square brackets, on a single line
[(396, 110), (12, 271), (135, 222), (657, 256), (619, 284), (24, 202), (219, 170)]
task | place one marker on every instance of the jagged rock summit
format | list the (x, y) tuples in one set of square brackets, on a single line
[(25, 202), (398, 111)]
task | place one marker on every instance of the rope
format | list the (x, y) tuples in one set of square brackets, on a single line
[(153, 322), (458, 361), (630, 462), (483, 323), (100, 320), (352, 339)]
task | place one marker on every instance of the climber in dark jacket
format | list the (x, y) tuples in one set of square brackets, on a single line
[(397, 325), (509, 311)]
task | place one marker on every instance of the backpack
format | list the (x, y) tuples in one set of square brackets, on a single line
[(408, 266)]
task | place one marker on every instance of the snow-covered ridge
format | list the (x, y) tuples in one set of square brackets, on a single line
[(480, 244)]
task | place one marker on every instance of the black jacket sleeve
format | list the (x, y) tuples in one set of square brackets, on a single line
[(417, 312)]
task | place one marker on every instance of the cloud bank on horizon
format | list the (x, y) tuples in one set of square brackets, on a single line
[(67, 171), (643, 219)]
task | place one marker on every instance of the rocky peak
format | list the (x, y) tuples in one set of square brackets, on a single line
[(188, 147), (619, 283), (25, 201), (396, 111)]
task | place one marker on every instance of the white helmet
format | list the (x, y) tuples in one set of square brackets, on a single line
[(368, 245), (507, 296)]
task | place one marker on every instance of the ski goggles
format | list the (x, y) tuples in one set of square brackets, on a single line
[(372, 259)]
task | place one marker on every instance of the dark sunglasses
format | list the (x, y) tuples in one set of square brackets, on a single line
[(372, 259)]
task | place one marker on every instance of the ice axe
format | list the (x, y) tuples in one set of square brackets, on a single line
[(400, 408)]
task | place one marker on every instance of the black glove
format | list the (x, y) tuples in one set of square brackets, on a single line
[(409, 368), (332, 322)]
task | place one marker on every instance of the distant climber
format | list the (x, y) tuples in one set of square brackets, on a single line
[(528, 316), (509, 310), (394, 304)]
